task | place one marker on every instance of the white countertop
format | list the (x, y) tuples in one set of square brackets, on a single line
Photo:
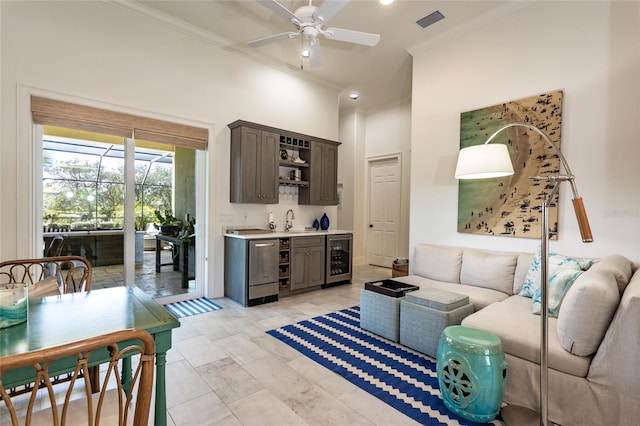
[(282, 234)]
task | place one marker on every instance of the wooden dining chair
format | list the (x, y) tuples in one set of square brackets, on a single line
[(49, 277), (116, 403), (70, 273)]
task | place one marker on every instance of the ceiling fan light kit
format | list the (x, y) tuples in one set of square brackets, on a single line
[(310, 21)]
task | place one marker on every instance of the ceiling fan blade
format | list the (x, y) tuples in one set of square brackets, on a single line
[(329, 9), (276, 7), (271, 39), (315, 57), (358, 37)]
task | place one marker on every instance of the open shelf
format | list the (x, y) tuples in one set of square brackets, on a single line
[(293, 182), (289, 163), (291, 142)]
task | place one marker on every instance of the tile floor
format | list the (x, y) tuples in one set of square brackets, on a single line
[(165, 283), (224, 369)]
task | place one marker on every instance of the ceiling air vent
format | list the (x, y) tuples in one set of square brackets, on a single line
[(430, 19)]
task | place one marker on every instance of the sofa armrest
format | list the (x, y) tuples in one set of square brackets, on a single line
[(617, 359)]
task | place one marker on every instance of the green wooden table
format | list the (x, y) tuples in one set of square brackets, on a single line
[(57, 320)]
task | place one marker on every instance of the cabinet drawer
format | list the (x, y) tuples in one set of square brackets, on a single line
[(316, 240), (263, 290)]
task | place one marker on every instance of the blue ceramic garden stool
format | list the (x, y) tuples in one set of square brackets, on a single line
[(472, 372)]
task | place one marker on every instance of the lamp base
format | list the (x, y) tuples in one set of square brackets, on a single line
[(513, 415)]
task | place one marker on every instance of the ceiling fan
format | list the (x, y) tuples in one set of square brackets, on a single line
[(310, 21)]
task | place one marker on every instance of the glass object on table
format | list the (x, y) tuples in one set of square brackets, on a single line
[(14, 305)]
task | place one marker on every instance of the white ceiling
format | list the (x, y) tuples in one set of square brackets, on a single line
[(381, 74)]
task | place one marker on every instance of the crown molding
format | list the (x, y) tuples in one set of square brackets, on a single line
[(479, 21)]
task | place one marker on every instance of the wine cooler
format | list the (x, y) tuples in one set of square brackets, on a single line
[(339, 252)]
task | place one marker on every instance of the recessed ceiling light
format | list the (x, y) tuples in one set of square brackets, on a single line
[(354, 95), (385, 2)]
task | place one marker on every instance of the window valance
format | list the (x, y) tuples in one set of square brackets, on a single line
[(52, 112)]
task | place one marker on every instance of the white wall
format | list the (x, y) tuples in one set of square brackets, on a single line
[(388, 132), (591, 50), (346, 171), (103, 53), (376, 133), (350, 155)]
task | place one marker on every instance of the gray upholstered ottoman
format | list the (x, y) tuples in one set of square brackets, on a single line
[(425, 313), (380, 314)]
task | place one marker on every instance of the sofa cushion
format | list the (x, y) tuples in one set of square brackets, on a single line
[(438, 263), (479, 297), (519, 330), (587, 310), (488, 270), (619, 266)]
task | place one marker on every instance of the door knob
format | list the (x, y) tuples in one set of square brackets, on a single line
[(371, 225)]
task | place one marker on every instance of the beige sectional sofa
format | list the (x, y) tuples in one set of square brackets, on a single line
[(594, 343)]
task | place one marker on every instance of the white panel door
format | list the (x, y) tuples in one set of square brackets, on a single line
[(384, 211)]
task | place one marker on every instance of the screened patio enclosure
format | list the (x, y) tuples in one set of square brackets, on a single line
[(83, 199)]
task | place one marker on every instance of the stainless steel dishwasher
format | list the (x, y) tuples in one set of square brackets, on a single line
[(263, 271)]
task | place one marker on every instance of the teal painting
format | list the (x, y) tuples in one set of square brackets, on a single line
[(510, 206)]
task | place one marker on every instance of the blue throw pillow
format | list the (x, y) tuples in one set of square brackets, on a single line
[(563, 271), (559, 283)]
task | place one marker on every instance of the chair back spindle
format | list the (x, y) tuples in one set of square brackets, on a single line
[(116, 403), (71, 273)]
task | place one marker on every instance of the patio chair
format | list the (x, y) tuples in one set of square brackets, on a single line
[(55, 246), (115, 404)]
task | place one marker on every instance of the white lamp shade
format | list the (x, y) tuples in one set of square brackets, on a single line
[(484, 161)]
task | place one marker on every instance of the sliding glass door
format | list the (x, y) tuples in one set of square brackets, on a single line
[(103, 198)]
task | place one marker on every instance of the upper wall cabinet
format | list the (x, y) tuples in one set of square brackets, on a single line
[(257, 167), (254, 165), (323, 175)]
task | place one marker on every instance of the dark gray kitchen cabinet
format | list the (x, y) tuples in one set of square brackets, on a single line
[(257, 168), (307, 262), (323, 175), (254, 165)]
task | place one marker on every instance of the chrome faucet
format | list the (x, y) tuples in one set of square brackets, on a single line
[(288, 222)]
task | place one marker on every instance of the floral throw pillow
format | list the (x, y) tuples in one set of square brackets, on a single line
[(563, 271)]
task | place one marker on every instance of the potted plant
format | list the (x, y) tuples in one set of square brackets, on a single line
[(169, 224), (186, 236), (188, 229)]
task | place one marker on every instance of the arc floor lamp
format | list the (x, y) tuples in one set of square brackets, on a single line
[(490, 161)]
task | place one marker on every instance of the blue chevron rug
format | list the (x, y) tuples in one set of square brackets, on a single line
[(403, 378), (192, 307)]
